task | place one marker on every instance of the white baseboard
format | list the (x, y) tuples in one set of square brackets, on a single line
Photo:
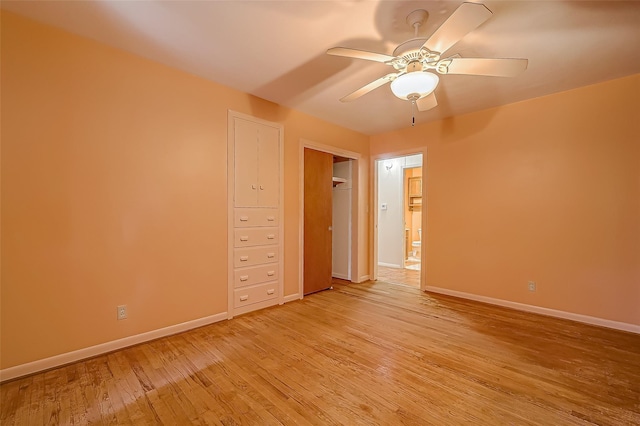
[(291, 298), (340, 276), (390, 265), (102, 348), (632, 328)]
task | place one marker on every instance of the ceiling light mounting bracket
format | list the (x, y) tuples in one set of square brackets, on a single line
[(416, 19)]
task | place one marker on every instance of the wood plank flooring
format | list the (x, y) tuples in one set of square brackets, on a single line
[(402, 276), (360, 354)]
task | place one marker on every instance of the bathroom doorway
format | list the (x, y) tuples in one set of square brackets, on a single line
[(399, 233)]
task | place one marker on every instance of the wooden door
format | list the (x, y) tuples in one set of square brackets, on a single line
[(318, 172)]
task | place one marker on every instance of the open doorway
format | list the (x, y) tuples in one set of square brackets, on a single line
[(399, 239), (342, 228), (329, 210)]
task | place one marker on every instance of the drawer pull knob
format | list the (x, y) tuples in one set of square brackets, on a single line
[(271, 255), (244, 218), (244, 238), (253, 187), (261, 188), (271, 273), (271, 218), (244, 277), (271, 291), (244, 298), (271, 236), (244, 258)]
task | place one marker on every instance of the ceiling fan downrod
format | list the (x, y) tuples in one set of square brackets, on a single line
[(416, 18)]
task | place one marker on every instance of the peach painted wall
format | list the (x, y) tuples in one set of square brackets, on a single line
[(113, 191), (546, 190)]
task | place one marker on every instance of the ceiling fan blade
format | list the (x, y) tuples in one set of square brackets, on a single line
[(486, 66), (427, 102), (369, 87), (360, 54), (463, 20)]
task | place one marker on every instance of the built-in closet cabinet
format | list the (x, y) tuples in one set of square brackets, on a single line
[(255, 184), (256, 164)]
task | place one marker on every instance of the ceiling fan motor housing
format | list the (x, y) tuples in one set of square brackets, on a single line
[(414, 66)]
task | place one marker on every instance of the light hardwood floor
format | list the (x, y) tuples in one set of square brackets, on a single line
[(370, 353), (403, 276)]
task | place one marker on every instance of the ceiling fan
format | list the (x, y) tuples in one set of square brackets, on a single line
[(418, 61)]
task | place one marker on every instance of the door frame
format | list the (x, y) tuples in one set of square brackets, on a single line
[(374, 205), (356, 157)]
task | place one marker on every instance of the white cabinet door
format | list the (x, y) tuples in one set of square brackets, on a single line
[(268, 167), (256, 165), (246, 164)]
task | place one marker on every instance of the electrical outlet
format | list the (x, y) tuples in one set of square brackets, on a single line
[(122, 312), (532, 286)]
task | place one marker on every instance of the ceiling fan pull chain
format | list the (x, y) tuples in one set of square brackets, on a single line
[(413, 112)]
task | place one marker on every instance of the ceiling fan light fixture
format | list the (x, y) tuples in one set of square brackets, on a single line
[(414, 85)]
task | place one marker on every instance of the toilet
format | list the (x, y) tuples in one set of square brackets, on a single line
[(415, 245)]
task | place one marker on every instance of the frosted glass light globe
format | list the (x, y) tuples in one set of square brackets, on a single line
[(420, 83)]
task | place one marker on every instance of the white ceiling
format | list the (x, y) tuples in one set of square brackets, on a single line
[(276, 49)]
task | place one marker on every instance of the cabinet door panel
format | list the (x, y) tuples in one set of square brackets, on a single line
[(268, 167), (246, 164), (415, 187)]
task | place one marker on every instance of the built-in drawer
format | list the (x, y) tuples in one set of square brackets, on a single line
[(254, 256), (255, 275), (245, 237), (254, 294), (255, 217)]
